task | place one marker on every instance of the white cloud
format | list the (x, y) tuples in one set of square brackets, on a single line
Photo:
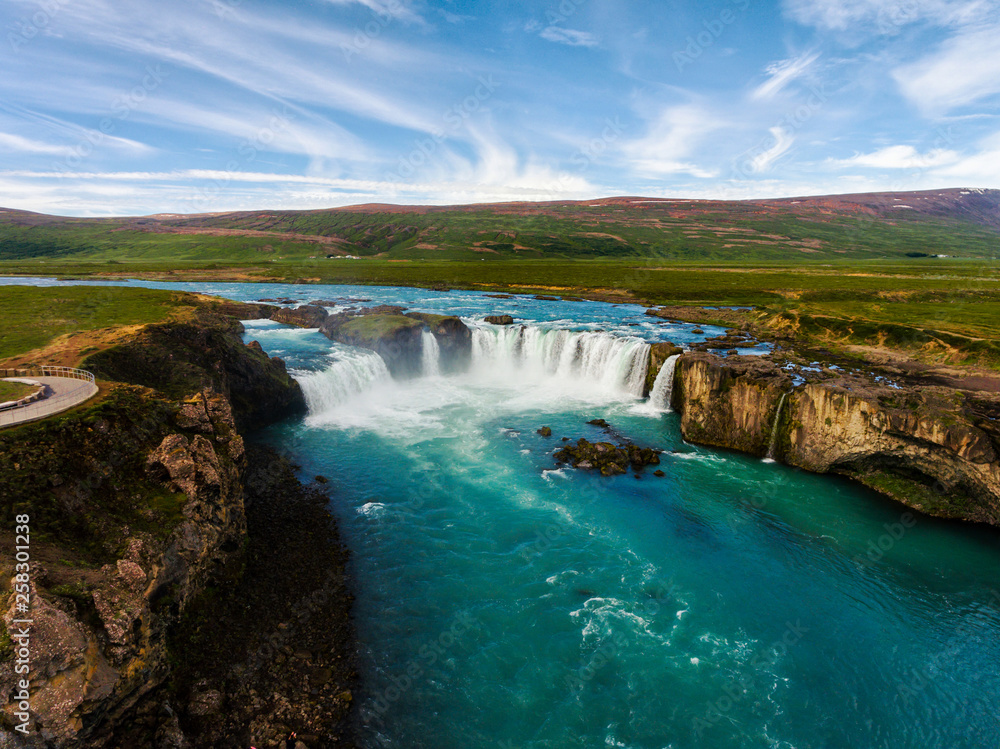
[(964, 69), (980, 169), (898, 157), (780, 74), (761, 160), (394, 9), (17, 144), (670, 141), (572, 37), (887, 17)]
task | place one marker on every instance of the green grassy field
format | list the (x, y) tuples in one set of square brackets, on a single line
[(951, 223), (33, 317), (906, 303), (11, 391)]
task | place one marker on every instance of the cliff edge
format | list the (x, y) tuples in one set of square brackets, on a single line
[(932, 448)]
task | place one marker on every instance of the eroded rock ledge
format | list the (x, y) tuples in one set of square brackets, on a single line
[(138, 506), (932, 448)]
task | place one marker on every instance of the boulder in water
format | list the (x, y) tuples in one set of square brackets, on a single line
[(545, 431), (499, 319), (397, 337), (608, 458)]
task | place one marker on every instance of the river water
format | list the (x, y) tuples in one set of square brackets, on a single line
[(505, 602)]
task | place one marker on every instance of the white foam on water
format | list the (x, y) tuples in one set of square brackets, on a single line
[(372, 510)]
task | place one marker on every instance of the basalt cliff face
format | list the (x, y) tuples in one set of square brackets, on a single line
[(137, 507), (933, 448)]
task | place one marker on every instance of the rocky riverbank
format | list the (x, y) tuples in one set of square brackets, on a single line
[(933, 448), (157, 553)]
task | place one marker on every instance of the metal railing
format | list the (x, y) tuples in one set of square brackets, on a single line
[(76, 374), (54, 403)]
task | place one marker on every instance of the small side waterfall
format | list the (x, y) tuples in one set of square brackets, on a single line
[(663, 386), (351, 373), (431, 355), (774, 430), (612, 362)]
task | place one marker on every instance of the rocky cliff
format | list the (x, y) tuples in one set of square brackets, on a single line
[(136, 506), (932, 448)]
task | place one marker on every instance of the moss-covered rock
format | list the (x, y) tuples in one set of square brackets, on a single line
[(397, 337), (306, 316), (608, 458), (178, 359)]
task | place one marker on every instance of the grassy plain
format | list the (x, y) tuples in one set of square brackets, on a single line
[(33, 317), (941, 309), (11, 391)]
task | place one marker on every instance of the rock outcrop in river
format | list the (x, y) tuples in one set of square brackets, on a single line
[(397, 336), (932, 448)]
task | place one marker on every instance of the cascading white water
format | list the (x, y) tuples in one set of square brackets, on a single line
[(663, 386), (353, 371), (431, 354), (611, 362), (774, 430)]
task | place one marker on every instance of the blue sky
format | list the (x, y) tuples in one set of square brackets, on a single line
[(121, 108)]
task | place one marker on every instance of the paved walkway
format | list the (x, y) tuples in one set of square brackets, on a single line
[(64, 394)]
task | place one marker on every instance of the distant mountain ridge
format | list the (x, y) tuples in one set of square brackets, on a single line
[(962, 222)]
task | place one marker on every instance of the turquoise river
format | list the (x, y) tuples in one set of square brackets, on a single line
[(502, 602)]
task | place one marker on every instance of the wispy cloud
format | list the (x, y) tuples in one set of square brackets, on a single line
[(389, 9), (572, 37), (763, 160), (887, 17), (670, 141), (963, 70), (780, 74), (898, 157), (18, 144)]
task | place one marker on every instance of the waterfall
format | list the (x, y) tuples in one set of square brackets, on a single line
[(431, 354), (352, 372), (663, 386), (774, 430), (612, 362)]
